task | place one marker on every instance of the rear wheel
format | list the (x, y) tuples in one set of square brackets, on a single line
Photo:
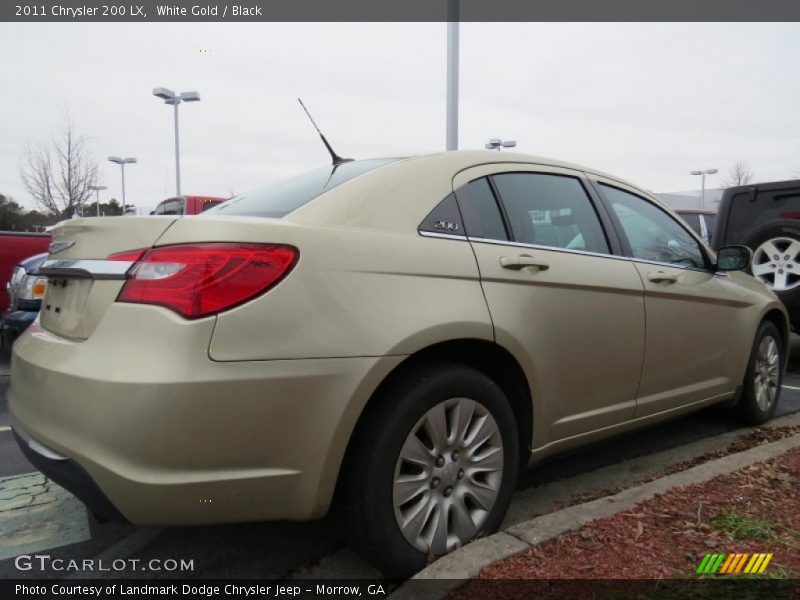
[(762, 382), (776, 258), (434, 466)]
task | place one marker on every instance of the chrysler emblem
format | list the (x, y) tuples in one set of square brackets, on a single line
[(57, 247)]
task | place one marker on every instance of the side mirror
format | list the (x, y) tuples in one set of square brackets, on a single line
[(734, 258)]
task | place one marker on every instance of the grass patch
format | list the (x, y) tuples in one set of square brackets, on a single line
[(739, 527)]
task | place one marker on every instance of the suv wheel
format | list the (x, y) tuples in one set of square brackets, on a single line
[(776, 257), (762, 383), (433, 467)]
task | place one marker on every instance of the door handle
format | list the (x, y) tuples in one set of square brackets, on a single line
[(661, 277), (522, 261)]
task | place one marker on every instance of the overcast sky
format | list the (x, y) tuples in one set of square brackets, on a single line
[(647, 102)]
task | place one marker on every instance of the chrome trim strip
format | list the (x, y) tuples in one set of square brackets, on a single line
[(566, 250), (446, 236), (92, 269), (547, 248), (671, 265)]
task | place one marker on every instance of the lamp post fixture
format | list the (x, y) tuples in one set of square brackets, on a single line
[(703, 184), (122, 162), (170, 97), (98, 189), (497, 143)]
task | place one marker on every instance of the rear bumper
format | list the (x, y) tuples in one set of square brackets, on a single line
[(69, 475), (171, 437)]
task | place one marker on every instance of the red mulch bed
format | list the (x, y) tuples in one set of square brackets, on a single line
[(667, 536)]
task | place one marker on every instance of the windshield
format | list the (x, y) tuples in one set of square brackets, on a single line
[(279, 199)]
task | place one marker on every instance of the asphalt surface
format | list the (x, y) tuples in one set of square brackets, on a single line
[(277, 550)]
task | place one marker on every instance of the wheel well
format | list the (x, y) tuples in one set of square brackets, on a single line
[(777, 317), (489, 358)]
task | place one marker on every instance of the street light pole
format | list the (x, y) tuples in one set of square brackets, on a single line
[(451, 117), (122, 162), (177, 152), (170, 97), (703, 184), (97, 189)]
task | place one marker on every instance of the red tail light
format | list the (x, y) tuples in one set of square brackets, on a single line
[(197, 280)]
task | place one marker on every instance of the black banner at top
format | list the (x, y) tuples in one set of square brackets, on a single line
[(178, 11)]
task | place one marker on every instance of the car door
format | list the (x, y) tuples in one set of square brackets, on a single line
[(559, 299), (693, 344)]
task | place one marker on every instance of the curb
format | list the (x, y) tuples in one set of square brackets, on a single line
[(467, 562)]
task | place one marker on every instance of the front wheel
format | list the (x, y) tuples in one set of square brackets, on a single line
[(762, 383), (434, 466)]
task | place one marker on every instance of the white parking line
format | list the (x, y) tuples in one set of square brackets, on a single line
[(791, 387), (5, 428)]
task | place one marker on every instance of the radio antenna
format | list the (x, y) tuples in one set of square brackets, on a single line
[(337, 160)]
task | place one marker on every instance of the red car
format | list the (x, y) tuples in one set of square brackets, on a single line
[(15, 247), (194, 205)]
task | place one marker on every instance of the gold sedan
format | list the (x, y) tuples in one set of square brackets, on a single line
[(397, 335)]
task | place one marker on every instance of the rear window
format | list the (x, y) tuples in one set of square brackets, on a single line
[(279, 199), (749, 211)]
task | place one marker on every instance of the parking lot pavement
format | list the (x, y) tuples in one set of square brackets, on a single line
[(36, 516)]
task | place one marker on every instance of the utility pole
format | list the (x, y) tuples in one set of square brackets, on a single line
[(452, 74)]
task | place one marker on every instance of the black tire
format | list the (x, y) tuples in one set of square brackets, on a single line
[(779, 228), (369, 511), (748, 408)]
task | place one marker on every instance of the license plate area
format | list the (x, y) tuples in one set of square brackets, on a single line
[(64, 305)]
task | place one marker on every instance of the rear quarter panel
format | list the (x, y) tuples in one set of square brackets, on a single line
[(353, 292)]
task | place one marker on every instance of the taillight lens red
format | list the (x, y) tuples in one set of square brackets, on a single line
[(198, 280)]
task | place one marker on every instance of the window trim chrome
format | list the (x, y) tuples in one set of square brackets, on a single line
[(479, 240), (567, 251), (446, 236), (87, 269)]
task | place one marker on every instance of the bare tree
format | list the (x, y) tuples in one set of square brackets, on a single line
[(739, 174), (58, 174)]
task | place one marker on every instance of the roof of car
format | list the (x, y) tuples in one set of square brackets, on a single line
[(397, 194), (469, 158)]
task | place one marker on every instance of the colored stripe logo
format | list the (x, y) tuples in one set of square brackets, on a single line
[(733, 564)]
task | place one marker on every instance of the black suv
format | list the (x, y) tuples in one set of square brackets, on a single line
[(766, 218)]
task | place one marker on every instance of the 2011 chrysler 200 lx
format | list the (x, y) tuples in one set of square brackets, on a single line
[(394, 338)]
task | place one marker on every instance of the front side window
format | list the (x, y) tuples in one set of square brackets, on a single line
[(693, 221), (711, 222), (652, 233), (550, 210)]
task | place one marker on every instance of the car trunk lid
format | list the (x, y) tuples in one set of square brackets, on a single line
[(83, 282)]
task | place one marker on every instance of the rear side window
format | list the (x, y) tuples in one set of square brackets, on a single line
[(550, 210), (279, 199), (482, 218), (444, 219)]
